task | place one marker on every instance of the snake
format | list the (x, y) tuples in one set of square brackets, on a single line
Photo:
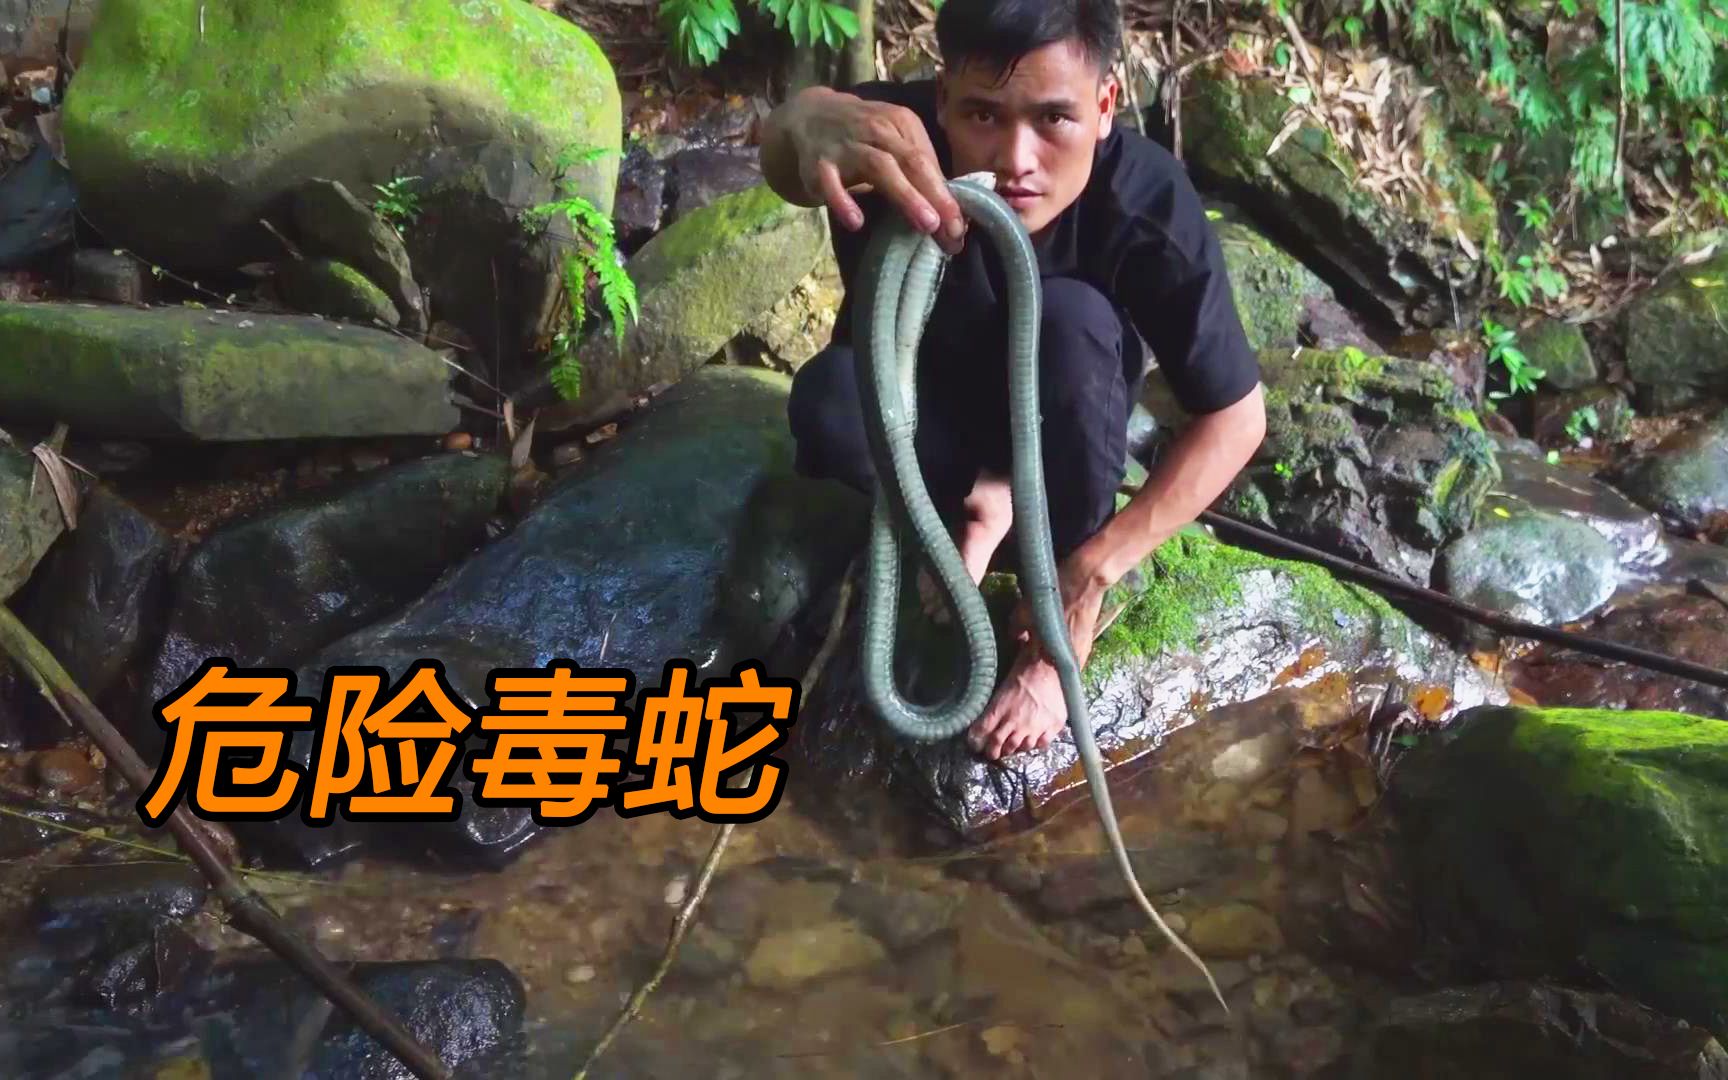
[(898, 279)]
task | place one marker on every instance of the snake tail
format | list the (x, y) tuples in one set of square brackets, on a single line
[(901, 272)]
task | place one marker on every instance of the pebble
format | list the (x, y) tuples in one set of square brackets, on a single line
[(1235, 930), (566, 454), (1264, 826), (1252, 760), (676, 890), (787, 958), (458, 440), (580, 974)]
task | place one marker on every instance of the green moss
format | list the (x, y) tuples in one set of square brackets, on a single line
[(1444, 482), (1192, 576), (712, 231), (261, 69), (1469, 419)]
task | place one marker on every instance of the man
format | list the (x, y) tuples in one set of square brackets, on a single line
[(1124, 249)]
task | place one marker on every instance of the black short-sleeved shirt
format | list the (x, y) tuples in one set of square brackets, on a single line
[(1138, 233)]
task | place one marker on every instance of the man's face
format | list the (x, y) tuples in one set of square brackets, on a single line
[(1036, 131)]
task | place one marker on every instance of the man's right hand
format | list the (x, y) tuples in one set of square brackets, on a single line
[(823, 142)]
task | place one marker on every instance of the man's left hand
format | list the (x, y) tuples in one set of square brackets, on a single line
[(1028, 709)]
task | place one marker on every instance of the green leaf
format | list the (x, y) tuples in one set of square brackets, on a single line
[(843, 18)]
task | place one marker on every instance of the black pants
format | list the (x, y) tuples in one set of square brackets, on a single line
[(1091, 364)]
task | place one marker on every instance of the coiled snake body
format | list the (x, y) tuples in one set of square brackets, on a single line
[(898, 282)]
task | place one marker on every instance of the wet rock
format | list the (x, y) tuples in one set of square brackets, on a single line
[(335, 290), (215, 376), (1556, 412), (1676, 344), (1206, 625), (1531, 564), (641, 203), (37, 209), (701, 176), (94, 591), (708, 954), (85, 898), (64, 769), (686, 537), (1559, 349), (1634, 895), (1404, 263), (333, 224), (898, 918), (1330, 325), (699, 283), (466, 1012), (230, 140), (1687, 627), (1168, 861), (1508, 1031), (30, 517), (1685, 479), (1269, 286), (110, 276), (786, 959), (1527, 481), (1234, 931), (1381, 460), (1460, 354), (271, 589)]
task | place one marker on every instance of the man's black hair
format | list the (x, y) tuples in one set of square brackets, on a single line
[(999, 32)]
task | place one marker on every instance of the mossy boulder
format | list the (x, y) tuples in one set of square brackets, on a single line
[(699, 284), (1201, 625), (1400, 260), (1376, 458), (1578, 843), (30, 519), (1531, 564), (215, 375), (1559, 349), (336, 290), (1269, 285), (1685, 478), (188, 122), (1677, 339)]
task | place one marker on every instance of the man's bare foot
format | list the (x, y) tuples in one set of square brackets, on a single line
[(989, 513), (1027, 711)]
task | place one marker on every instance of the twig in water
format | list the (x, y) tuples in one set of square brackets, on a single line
[(687, 913), (247, 910)]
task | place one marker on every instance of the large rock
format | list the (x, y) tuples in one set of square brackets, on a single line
[(1685, 478), (38, 208), (699, 283), (1403, 262), (1550, 544), (271, 589), (1378, 459), (1271, 288), (189, 122), (1510, 1031), (1578, 842), (1559, 349), (1676, 340), (686, 537), (89, 601), (215, 375), (30, 517), (1206, 625), (332, 223)]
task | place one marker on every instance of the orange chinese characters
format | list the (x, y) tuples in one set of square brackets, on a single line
[(551, 742), (237, 727), (666, 743), (729, 765), (423, 715)]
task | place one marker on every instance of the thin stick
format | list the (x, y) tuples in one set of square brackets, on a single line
[(1620, 98), (246, 909), (687, 913)]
